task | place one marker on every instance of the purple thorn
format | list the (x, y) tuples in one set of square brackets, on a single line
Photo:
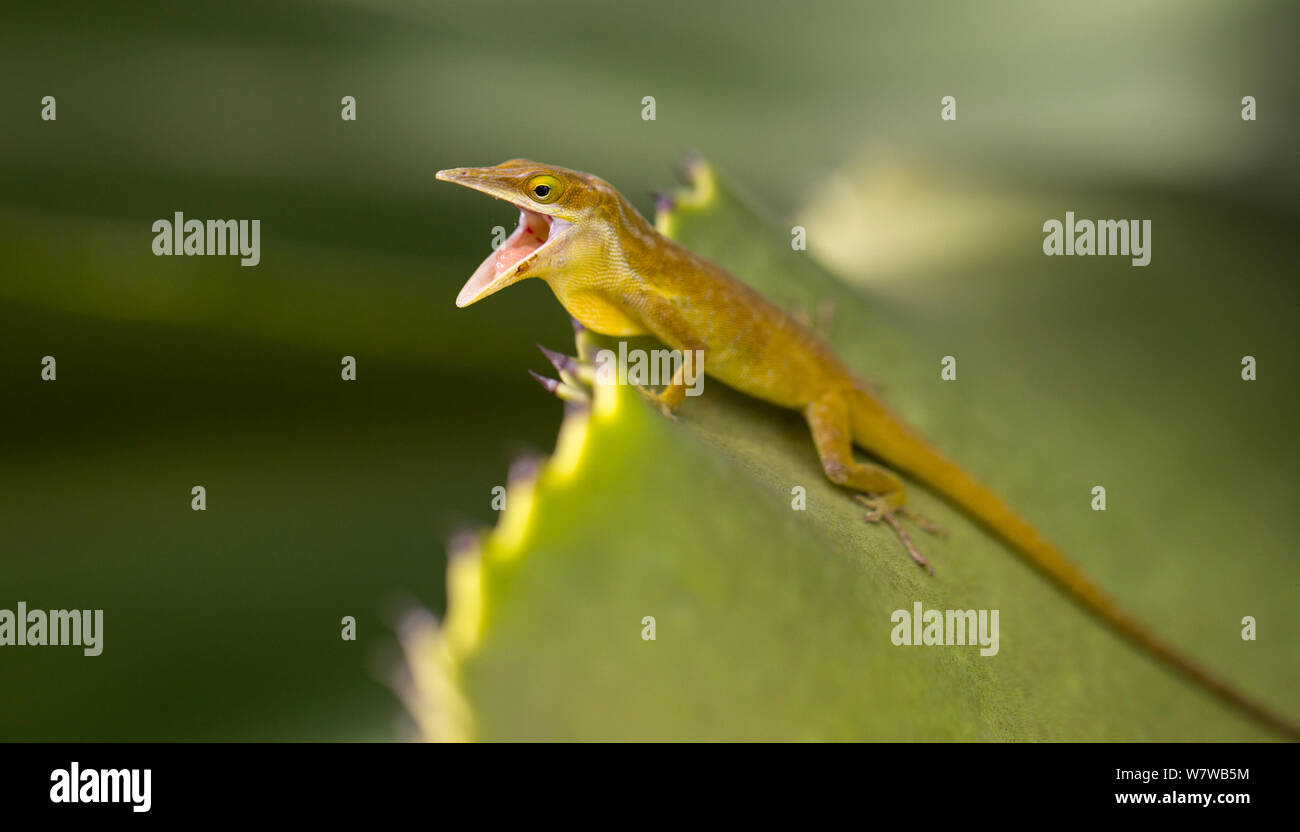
[(524, 468), (691, 162), (561, 362), (463, 542), (550, 385), (663, 202)]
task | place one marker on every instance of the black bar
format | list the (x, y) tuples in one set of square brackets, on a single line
[(435, 783)]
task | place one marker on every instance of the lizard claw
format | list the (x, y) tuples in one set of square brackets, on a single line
[(878, 509), (925, 523), (658, 401)]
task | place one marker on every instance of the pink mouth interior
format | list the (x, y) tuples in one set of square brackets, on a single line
[(532, 232)]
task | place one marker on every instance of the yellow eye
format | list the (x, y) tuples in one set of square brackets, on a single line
[(544, 188)]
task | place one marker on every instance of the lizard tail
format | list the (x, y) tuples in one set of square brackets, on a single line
[(898, 445)]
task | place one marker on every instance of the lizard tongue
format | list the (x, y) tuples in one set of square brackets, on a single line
[(532, 231)]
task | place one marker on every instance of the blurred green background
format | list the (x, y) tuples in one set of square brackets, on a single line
[(328, 499)]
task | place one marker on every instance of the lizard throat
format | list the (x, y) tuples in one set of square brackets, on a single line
[(533, 232)]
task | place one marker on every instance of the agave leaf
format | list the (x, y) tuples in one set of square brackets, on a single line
[(771, 622)]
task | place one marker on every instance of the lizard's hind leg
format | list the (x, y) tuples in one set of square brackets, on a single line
[(882, 490)]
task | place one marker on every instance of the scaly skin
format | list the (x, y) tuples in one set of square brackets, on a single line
[(616, 275)]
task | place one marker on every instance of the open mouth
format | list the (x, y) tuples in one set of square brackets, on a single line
[(533, 232)]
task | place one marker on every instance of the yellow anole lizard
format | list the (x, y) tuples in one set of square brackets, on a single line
[(615, 274)]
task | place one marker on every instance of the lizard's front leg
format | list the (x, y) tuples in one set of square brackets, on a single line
[(667, 323), (883, 492), (674, 394)]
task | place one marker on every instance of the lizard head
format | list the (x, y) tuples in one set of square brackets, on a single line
[(553, 204)]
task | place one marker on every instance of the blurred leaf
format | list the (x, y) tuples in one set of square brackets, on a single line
[(333, 299)]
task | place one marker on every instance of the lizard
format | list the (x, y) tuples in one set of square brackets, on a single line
[(616, 275)]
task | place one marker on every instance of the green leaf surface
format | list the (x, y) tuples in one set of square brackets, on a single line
[(773, 623)]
